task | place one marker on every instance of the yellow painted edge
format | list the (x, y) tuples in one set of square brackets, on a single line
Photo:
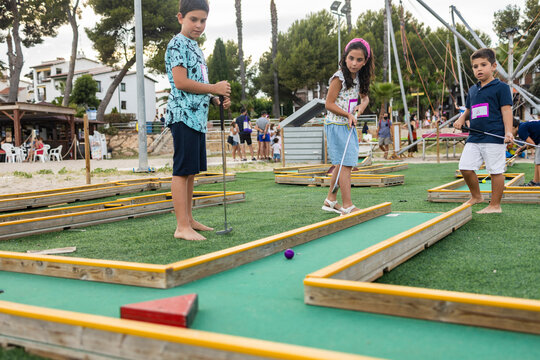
[(349, 261), (190, 337), (424, 293), (257, 243), (86, 262), (444, 186), (206, 195)]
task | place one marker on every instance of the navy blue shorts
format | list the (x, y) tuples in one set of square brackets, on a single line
[(189, 150)]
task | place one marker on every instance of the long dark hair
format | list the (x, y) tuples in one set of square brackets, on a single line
[(365, 75)]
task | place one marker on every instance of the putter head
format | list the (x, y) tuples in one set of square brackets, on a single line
[(335, 189), (224, 231)]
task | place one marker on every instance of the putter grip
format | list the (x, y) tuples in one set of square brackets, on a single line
[(221, 114)]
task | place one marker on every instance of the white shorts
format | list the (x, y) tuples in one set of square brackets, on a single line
[(537, 156), (474, 154)]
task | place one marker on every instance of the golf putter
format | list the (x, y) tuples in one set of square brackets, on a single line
[(498, 136), (227, 229)]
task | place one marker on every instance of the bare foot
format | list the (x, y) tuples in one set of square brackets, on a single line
[(188, 234), (198, 226), (473, 201), (490, 210)]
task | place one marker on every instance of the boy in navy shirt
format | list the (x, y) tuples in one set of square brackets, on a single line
[(489, 106), (530, 132)]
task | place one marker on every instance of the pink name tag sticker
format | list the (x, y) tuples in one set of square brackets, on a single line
[(352, 104), (480, 110), (204, 72)]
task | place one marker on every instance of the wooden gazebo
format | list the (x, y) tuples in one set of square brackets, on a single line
[(36, 112)]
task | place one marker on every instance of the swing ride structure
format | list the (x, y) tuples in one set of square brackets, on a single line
[(511, 76)]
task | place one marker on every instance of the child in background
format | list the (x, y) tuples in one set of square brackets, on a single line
[(234, 136), (530, 133), (187, 112), (276, 150), (489, 104), (347, 85)]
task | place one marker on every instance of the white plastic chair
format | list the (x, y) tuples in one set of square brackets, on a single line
[(20, 154), (45, 156), (56, 153), (10, 153)]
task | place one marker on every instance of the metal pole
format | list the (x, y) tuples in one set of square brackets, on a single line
[(500, 69), (526, 68), (398, 69), (141, 108), (458, 58), (528, 93), (522, 93), (339, 38), (510, 58), (389, 54), (529, 50)]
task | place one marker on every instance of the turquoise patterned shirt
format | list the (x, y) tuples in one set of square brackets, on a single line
[(191, 109)]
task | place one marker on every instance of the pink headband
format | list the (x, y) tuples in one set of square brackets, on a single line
[(364, 42)]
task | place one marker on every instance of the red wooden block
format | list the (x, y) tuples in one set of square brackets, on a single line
[(175, 311)]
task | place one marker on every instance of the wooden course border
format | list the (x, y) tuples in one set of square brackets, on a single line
[(513, 192), (14, 225), (182, 272), (52, 332), (36, 199), (56, 332), (346, 284), (364, 176)]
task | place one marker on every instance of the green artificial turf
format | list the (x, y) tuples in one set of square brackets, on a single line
[(492, 254)]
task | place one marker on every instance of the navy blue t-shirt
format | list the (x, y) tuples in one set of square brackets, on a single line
[(530, 129), (485, 105)]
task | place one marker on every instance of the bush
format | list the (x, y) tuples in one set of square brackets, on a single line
[(111, 130), (119, 118)]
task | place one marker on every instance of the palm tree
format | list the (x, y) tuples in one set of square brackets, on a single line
[(382, 92), (348, 16), (72, 17), (273, 16), (238, 6)]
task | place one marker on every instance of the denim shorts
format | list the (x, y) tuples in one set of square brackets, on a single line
[(336, 137)]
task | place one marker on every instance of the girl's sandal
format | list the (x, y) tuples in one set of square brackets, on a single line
[(330, 206), (347, 211)]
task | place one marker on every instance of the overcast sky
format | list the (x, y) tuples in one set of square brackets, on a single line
[(257, 27)]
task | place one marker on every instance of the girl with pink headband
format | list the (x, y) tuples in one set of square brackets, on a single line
[(347, 98)]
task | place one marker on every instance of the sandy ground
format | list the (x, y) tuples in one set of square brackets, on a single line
[(72, 172)]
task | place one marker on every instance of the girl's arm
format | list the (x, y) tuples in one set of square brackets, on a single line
[(333, 91), (181, 82)]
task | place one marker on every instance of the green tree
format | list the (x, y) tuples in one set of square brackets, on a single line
[(84, 92), (381, 93), (274, 21), (218, 63), (535, 87), (530, 24), (505, 18), (238, 7), (26, 23), (114, 36)]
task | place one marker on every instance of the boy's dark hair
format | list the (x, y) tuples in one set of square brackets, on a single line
[(484, 53), (515, 122), (365, 74), (276, 140), (185, 6)]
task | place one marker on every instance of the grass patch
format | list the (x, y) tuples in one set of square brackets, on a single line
[(22, 174), (45, 171), (62, 171)]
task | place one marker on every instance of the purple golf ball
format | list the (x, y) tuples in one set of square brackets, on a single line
[(289, 253)]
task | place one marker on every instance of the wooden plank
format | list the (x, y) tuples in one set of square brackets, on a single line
[(41, 221), (437, 305), (85, 336), (202, 266)]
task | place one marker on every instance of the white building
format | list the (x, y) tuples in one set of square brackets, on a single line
[(49, 75), (25, 88)]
